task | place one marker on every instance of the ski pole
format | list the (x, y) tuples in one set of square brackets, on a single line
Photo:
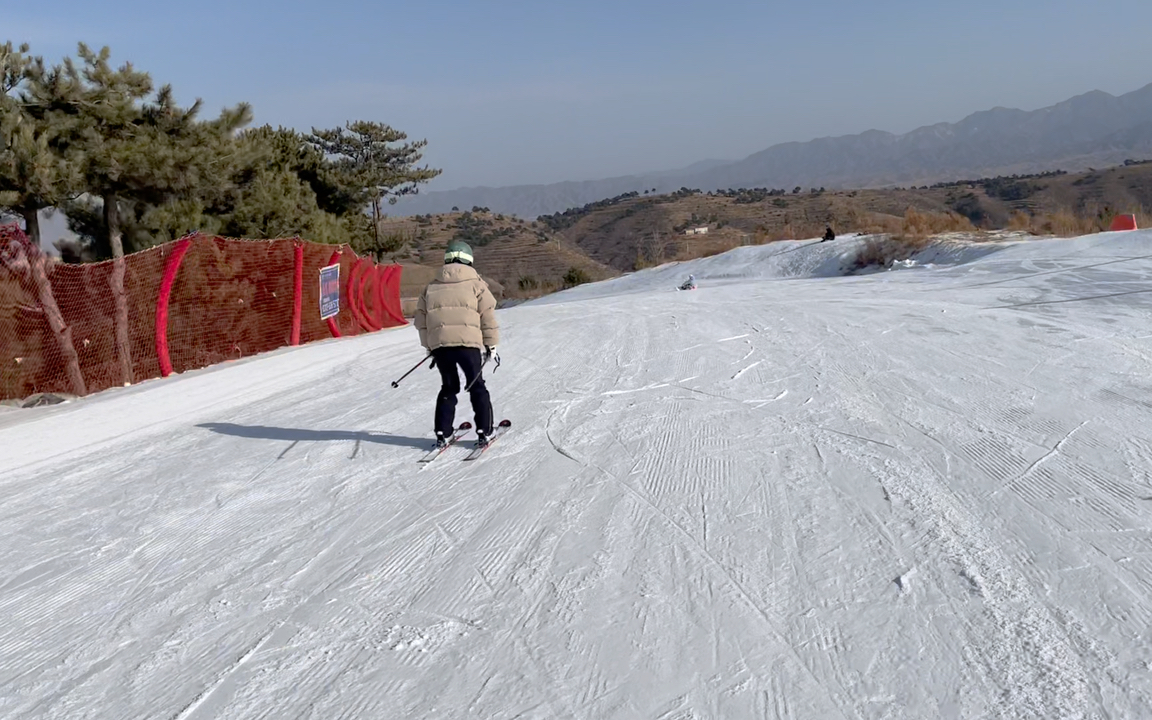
[(396, 383), (487, 357)]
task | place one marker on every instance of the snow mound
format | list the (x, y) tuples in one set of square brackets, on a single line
[(782, 260), (982, 253)]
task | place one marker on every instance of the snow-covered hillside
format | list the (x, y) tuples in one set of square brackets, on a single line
[(924, 493)]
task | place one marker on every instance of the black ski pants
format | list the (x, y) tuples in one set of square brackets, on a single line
[(451, 361)]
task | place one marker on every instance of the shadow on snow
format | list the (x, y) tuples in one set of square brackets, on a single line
[(298, 435)]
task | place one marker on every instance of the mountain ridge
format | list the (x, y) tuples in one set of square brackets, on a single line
[(1092, 129)]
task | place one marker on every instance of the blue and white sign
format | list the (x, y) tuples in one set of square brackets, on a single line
[(329, 291)]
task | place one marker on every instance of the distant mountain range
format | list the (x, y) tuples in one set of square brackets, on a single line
[(1091, 130)]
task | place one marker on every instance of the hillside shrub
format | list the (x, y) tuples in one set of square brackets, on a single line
[(970, 207), (883, 251), (1064, 223), (479, 230), (1020, 221), (716, 250), (566, 219), (1010, 190), (576, 276), (923, 224)]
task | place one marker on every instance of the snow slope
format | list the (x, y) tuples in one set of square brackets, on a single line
[(924, 493)]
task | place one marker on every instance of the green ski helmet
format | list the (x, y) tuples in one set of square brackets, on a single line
[(458, 251)]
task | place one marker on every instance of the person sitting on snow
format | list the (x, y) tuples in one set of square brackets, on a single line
[(689, 284), (828, 234), (456, 319)]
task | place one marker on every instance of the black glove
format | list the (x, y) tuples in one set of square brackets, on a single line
[(432, 365)]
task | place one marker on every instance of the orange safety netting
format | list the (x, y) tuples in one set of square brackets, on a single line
[(183, 305), (1123, 222)]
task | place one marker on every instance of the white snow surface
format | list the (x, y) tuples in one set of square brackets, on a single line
[(924, 493)]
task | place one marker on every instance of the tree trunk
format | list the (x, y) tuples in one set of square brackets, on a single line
[(116, 241), (32, 225), (62, 332), (35, 263), (376, 221)]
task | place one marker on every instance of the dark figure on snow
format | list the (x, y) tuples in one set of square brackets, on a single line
[(456, 318), (828, 235), (689, 284)]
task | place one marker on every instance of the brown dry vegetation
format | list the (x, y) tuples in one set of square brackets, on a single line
[(914, 235), (1065, 223), (883, 250), (644, 231), (520, 259), (924, 224), (640, 233), (528, 259)]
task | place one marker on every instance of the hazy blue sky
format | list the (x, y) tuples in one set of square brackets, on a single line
[(539, 91)]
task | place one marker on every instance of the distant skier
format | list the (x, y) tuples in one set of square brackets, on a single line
[(689, 284), (456, 319), (828, 234)]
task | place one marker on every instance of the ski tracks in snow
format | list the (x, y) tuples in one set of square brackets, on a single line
[(845, 506)]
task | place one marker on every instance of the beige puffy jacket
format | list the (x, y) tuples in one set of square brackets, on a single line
[(457, 309)]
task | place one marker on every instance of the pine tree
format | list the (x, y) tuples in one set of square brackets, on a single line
[(283, 188), (144, 152), (38, 168), (364, 155), (131, 151)]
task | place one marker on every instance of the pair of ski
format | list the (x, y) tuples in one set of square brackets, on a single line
[(460, 433)]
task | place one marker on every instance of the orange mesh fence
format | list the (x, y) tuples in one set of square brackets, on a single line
[(1123, 222), (184, 305)]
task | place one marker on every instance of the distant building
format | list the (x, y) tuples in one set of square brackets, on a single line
[(696, 231)]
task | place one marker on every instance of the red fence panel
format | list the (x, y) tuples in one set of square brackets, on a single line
[(1122, 223), (191, 303), (390, 294), (162, 302), (297, 292)]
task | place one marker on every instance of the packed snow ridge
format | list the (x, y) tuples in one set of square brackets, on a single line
[(919, 493)]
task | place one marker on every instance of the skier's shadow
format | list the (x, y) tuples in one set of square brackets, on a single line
[(264, 432)]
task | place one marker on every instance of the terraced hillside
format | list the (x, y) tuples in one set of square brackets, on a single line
[(524, 258), (632, 231)]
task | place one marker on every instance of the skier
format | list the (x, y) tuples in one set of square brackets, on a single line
[(456, 319), (689, 284), (828, 234)]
